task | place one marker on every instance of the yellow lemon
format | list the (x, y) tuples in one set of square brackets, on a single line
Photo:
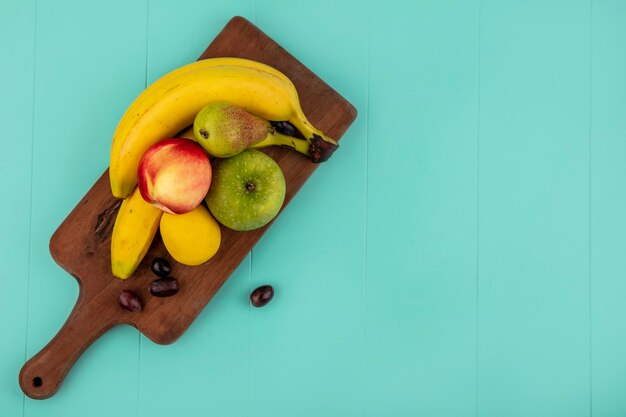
[(191, 238)]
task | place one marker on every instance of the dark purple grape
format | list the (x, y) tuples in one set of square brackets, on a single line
[(161, 267), (130, 301), (164, 287), (262, 295)]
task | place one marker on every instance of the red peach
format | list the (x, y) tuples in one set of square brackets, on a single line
[(174, 175)]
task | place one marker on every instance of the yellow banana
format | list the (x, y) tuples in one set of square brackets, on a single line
[(149, 96), (276, 139), (135, 226), (174, 102)]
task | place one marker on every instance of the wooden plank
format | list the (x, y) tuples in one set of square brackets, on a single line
[(608, 205), (533, 291), (86, 75), (213, 354), (421, 209), (306, 352), (17, 18), (82, 248)]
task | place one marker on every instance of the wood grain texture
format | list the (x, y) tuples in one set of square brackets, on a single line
[(81, 245)]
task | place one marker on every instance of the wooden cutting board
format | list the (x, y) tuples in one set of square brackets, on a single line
[(81, 244)]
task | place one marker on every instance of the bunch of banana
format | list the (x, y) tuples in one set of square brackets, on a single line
[(171, 104)]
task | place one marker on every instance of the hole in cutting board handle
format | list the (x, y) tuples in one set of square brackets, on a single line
[(37, 381)]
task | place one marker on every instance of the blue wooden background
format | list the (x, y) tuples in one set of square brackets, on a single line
[(475, 258)]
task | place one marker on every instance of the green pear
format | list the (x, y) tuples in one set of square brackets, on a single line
[(224, 130)]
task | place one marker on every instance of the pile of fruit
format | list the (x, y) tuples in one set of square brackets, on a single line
[(192, 138)]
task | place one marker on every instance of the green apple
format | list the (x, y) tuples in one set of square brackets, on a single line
[(247, 190)]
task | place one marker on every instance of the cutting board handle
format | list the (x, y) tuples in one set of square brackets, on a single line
[(44, 373)]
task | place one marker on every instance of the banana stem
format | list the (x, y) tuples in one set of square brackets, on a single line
[(321, 146)]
